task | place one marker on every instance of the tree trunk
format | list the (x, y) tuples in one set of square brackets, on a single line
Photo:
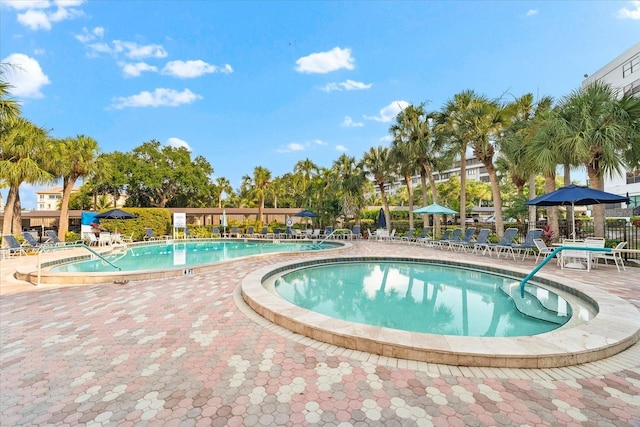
[(434, 195), (407, 179), (552, 211), (532, 195), (497, 201), (17, 215), (385, 203), (463, 187), (63, 226), (8, 210), (597, 183), (423, 183)]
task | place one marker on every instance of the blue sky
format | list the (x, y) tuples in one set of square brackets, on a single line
[(264, 83)]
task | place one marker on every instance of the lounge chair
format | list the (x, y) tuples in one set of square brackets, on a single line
[(505, 244), (249, 232), (356, 234), (445, 236), (479, 244), (55, 240), (615, 255), (10, 242), (407, 237), (465, 240), (215, 232), (89, 238), (31, 241), (528, 246), (454, 236), (234, 233), (424, 237), (150, 235), (542, 248)]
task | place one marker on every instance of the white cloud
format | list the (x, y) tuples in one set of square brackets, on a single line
[(89, 36), (389, 112), (532, 12), (346, 85), (633, 13), (341, 148), (40, 14), (325, 62), (135, 69), (190, 69), (25, 75), (294, 146), (319, 142), (133, 50), (177, 143), (349, 123), (386, 138), (161, 97)]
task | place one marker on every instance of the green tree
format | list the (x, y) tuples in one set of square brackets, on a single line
[(25, 152), (223, 186), (601, 129), (76, 159), (257, 187), (376, 163), (352, 179)]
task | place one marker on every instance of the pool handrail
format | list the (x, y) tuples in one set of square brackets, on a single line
[(73, 245), (552, 255), (332, 233)]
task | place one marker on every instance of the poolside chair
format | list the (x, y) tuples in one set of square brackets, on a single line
[(215, 232), (454, 236), (356, 232), (53, 239), (149, 234), (31, 242), (505, 244), (249, 232), (465, 240), (407, 237), (445, 236), (234, 233), (424, 237), (480, 243), (90, 239), (328, 231), (528, 246), (615, 255), (315, 234), (542, 248), (10, 242)]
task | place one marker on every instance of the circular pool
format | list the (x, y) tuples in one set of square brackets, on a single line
[(585, 337)]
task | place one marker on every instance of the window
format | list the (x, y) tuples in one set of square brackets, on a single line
[(632, 88), (630, 67)]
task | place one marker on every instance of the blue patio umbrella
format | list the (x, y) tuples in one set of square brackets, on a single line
[(382, 221), (576, 195), (306, 214), (116, 214), (435, 209)]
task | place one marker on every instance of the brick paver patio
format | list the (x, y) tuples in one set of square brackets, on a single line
[(188, 351)]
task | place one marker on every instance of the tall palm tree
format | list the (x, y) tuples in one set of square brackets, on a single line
[(600, 128), (455, 125), (77, 159), (352, 180), (376, 163), (304, 171), (222, 186), (9, 107), (25, 151), (258, 186)]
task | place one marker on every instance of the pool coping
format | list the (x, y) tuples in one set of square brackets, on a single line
[(28, 271), (615, 328)]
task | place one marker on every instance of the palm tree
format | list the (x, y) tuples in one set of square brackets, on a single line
[(25, 150), (304, 171), (600, 128), (222, 186), (376, 163), (455, 125), (258, 187), (9, 107), (77, 159), (352, 180)]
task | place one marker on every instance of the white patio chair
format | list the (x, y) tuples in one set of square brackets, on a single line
[(615, 255)]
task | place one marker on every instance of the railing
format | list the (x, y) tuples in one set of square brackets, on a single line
[(73, 245), (341, 230), (552, 255)]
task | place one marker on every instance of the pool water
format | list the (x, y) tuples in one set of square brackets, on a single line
[(422, 297), (170, 255)]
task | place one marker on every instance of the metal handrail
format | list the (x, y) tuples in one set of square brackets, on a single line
[(72, 245), (332, 233), (552, 255)]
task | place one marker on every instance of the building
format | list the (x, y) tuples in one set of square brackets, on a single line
[(623, 73), (49, 199)]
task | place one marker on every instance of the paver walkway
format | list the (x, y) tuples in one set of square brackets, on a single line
[(187, 351)]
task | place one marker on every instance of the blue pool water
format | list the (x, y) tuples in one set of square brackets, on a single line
[(422, 297), (163, 256)]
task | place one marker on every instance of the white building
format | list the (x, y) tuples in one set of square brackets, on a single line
[(623, 73)]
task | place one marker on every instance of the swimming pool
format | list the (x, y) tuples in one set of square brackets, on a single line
[(185, 254), (427, 298)]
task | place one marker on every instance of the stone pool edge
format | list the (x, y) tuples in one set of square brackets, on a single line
[(615, 328)]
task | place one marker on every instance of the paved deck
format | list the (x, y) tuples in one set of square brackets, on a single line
[(188, 351)]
